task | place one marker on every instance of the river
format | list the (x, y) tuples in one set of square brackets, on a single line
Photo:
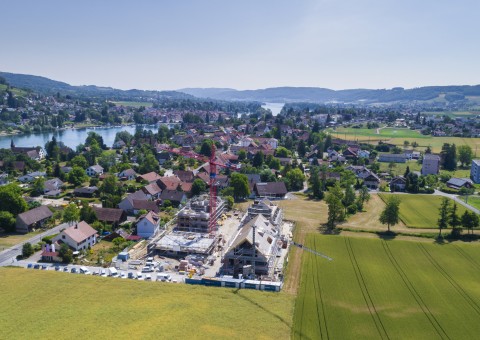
[(71, 137), (274, 107)]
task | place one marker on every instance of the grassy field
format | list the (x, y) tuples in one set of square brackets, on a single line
[(398, 136), (389, 290), (10, 239), (76, 306), (399, 168), (421, 211), (133, 104)]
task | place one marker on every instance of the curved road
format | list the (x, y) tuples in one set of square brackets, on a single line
[(8, 256)]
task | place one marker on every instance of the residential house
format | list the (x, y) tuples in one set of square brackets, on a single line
[(4, 178), (148, 225), (94, 170), (430, 164), (458, 183), (184, 176), (398, 184), (33, 219), (119, 144), (49, 254), (127, 175), (80, 236), (363, 154), (34, 153), (152, 191), (371, 181), (51, 186), (392, 158), (111, 216), (169, 182), (127, 203), (30, 177), (271, 190), (149, 177), (87, 192), (174, 196)]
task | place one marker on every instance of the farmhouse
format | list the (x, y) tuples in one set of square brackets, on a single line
[(110, 215), (78, 237), (458, 183), (32, 219), (271, 189), (398, 183)]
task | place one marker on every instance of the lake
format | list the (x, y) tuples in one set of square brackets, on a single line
[(71, 137), (274, 107)]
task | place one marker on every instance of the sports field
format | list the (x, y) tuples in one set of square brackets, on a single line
[(45, 304), (421, 211), (376, 289)]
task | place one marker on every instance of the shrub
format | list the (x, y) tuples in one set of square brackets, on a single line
[(352, 209)]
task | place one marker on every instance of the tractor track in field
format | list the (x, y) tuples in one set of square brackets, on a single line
[(365, 293), (467, 256), (319, 290), (451, 280), (418, 298)]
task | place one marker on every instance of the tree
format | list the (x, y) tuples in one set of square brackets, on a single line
[(206, 148), (38, 187), (149, 164), (316, 184), (465, 154), (469, 220), (27, 250), (390, 213), (349, 197), (295, 179), (229, 201), (109, 185), (257, 161), (11, 199), (454, 221), (65, 253), (242, 155), (443, 215), (239, 183), (7, 221), (407, 171), (363, 196), (77, 176), (87, 213), (301, 148), (80, 161), (282, 152), (198, 186), (71, 213), (336, 210), (449, 157)]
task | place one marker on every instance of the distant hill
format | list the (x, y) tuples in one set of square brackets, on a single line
[(323, 95), (48, 86)]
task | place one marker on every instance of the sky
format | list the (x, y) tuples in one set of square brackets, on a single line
[(243, 44)]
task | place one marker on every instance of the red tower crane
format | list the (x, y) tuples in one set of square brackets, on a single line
[(212, 181)]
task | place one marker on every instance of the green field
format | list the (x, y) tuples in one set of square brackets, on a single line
[(421, 211), (398, 136), (133, 104), (376, 289), (42, 304)]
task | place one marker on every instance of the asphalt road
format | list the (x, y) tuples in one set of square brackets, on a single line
[(8, 256)]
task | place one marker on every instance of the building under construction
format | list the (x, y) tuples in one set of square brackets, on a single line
[(195, 216), (181, 244)]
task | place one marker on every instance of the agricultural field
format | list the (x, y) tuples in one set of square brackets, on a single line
[(133, 104), (398, 135), (114, 308), (388, 289), (421, 211)]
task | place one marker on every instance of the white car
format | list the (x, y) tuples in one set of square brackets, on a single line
[(103, 273), (123, 275), (140, 276), (148, 277)]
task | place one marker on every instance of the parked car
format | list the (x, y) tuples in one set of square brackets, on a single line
[(103, 273), (164, 277), (84, 270), (148, 277), (140, 276), (37, 266), (147, 269), (65, 269), (131, 275), (123, 275), (74, 270), (57, 268), (44, 267), (30, 266)]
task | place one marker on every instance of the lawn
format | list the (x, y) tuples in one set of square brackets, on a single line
[(77, 306), (10, 239), (421, 211), (388, 289), (399, 168)]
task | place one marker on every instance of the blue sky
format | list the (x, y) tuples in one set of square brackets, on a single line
[(246, 44)]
